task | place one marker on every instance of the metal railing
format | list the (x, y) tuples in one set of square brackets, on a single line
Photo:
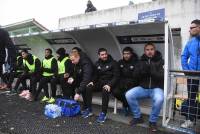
[(183, 101)]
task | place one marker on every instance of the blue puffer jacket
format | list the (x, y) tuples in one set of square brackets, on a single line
[(190, 58)]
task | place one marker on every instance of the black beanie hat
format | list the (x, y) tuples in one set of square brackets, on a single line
[(61, 51)]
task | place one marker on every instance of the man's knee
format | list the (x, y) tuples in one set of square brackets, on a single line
[(130, 94), (158, 98)]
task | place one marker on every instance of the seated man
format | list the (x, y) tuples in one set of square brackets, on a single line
[(127, 81), (64, 64), (32, 71), (49, 70), (79, 79), (106, 75), (150, 75)]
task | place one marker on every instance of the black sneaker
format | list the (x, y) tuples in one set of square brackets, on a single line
[(153, 127), (136, 121)]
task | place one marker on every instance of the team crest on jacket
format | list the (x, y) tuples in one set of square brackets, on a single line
[(121, 66), (99, 67), (131, 67)]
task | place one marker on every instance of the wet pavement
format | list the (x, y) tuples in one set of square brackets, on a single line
[(18, 116)]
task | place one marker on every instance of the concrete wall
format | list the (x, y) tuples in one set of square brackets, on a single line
[(179, 13)]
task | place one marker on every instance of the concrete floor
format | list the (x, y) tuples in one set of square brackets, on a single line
[(18, 116)]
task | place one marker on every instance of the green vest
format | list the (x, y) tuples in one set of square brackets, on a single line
[(47, 64), (30, 67), (61, 65)]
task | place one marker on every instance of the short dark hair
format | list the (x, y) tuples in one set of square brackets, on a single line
[(129, 49), (101, 50), (49, 49), (24, 50), (77, 48), (150, 44), (197, 22)]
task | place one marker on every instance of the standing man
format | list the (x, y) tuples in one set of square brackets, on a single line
[(106, 76), (49, 70), (149, 73), (8, 56), (127, 81), (190, 60)]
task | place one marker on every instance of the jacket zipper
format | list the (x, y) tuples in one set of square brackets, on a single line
[(149, 61)]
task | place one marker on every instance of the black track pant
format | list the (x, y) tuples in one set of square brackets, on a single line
[(57, 80), (68, 90), (9, 78), (34, 78), (119, 93), (98, 87), (43, 84)]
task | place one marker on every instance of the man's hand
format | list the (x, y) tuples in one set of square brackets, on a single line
[(76, 97), (107, 88), (66, 75), (90, 84), (70, 80)]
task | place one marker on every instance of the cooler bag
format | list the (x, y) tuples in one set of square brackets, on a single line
[(68, 107)]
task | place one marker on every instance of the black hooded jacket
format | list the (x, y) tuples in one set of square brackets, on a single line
[(90, 7), (6, 42), (82, 72), (106, 72), (150, 71), (30, 60), (54, 66), (126, 72)]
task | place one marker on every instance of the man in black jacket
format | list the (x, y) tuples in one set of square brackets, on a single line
[(81, 76), (106, 76), (32, 71), (49, 70), (8, 57), (150, 75), (90, 7), (127, 81)]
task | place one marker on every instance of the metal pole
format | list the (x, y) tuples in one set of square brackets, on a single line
[(165, 73)]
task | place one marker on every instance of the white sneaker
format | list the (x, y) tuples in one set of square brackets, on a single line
[(187, 124)]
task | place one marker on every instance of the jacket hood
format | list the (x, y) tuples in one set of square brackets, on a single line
[(62, 57), (30, 59), (132, 59), (48, 57), (156, 57)]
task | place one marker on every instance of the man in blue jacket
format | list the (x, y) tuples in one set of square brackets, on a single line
[(190, 60)]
